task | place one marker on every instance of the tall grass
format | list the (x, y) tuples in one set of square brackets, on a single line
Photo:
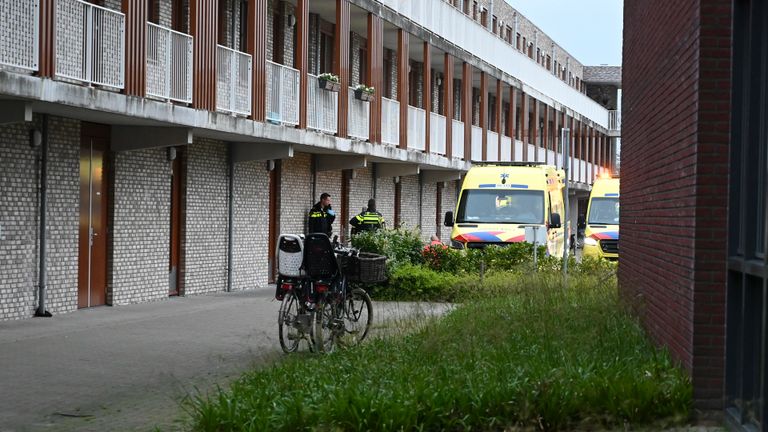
[(528, 353)]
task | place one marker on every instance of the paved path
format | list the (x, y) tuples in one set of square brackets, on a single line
[(126, 368)]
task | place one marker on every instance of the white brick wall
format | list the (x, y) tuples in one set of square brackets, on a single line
[(385, 199), (449, 197), (206, 218), (428, 210), (295, 193), (141, 227), (251, 233), (360, 191), (330, 182), (409, 202)]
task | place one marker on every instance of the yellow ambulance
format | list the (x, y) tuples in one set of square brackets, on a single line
[(498, 200), (601, 236)]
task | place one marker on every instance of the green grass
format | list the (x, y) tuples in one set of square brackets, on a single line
[(528, 354)]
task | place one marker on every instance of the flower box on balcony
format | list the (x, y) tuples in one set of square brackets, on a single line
[(328, 84), (363, 96)]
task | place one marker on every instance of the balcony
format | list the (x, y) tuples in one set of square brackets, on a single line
[(437, 133), (234, 79), (390, 121), (457, 139), (614, 121), (518, 156), (322, 107), (477, 143), (359, 117), (492, 152), (20, 41), (506, 149), (417, 128), (90, 43), (169, 64), (282, 94)]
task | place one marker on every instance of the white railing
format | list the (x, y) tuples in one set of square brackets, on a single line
[(506, 149), (518, 151), (417, 128), (282, 94), (90, 43), (551, 158), (531, 153), (20, 41), (492, 153), (590, 172), (322, 107), (359, 116), (614, 120), (477, 143), (234, 78), (559, 162), (436, 133), (457, 139), (390, 121), (169, 64), (582, 171)]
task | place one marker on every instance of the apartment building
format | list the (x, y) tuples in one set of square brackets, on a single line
[(158, 148)]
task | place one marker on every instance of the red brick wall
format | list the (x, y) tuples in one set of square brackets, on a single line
[(676, 108)]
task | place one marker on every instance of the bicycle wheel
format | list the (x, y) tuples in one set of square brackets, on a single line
[(324, 334), (358, 316), (291, 323)]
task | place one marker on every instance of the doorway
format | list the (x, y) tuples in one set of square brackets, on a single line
[(92, 259), (174, 266)]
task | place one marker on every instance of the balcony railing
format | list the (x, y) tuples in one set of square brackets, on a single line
[(234, 79), (492, 153), (359, 117), (390, 121), (614, 120), (531, 153), (477, 143), (457, 139), (551, 158), (518, 151), (20, 40), (322, 107), (417, 128), (436, 133), (169, 64), (282, 94), (582, 171), (506, 149), (90, 43)]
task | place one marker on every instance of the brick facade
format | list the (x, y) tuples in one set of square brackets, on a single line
[(428, 210), (410, 202), (674, 180), (385, 199), (360, 190), (330, 182), (296, 193), (207, 218), (251, 229), (141, 229)]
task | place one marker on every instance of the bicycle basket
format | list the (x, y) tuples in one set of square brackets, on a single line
[(365, 268)]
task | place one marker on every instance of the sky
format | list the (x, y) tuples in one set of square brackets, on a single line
[(591, 30)]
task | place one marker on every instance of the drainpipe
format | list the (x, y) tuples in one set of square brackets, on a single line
[(43, 275), (231, 234)]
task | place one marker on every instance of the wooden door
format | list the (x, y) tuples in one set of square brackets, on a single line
[(92, 267), (274, 218), (174, 267)]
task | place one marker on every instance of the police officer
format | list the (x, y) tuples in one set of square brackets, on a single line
[(368, 220), (321, 216)]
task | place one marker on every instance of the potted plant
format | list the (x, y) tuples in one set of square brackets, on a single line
[(329, 81), (363, 92)]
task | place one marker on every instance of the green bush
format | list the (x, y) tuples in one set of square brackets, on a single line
[(400, 246), (415, 282)]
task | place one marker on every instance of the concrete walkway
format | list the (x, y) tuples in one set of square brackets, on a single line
[(128, 367)]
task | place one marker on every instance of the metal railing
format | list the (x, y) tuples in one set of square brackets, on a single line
[(282, 94), (359, 117), (322, 107), (492, 153), (551, 158), (90, 43), (518, 156), (169, 64), (506, 149), (390, 121), (436, 133), (20, 40), (582, 171), (477, 143), (417, 128), (457, 139), (234, 78), (614, 120)]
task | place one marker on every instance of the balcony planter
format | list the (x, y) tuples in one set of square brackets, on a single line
[(329, 85), (363, 96)]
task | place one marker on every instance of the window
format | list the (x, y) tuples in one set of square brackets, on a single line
[(153, 11), (501, 206), (538, 55), (178, 16), (243, 26), (549, 63), (509, 35), (517, 41), (363, 65), (387, 77), (525, 43), (326, 53), (465, 7), (484, 17), (495, 24), (474, 10), (530, 50)]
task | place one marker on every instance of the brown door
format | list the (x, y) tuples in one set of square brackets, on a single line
[(274, 214), (92, 272), (175, 262)]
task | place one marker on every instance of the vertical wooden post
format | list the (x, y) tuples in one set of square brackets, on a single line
[(257, 48), (484, 113), (448, 104), (402, 84), (466, 108), (524, 123), (534, 128), (511, 116), (375, 63), (499, 107), (302, 58), (341, 64), (427, 98), (47, 48), (136, 16), (204, 18)]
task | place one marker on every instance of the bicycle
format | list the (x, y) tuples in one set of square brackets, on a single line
[(344, 314), (296, 316)]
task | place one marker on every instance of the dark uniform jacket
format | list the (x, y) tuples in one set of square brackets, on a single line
[(367, 221), (320, 220)]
